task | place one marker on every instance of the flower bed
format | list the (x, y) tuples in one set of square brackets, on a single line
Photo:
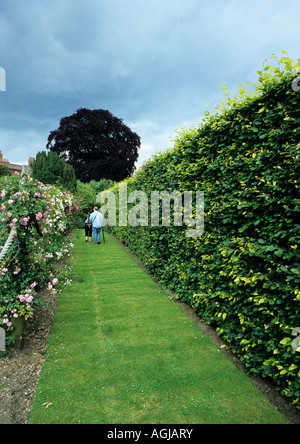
[(42, 218)]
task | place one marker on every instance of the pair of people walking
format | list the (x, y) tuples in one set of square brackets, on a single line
[(93, 225)]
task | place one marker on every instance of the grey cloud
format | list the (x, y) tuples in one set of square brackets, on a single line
[(161, 61)]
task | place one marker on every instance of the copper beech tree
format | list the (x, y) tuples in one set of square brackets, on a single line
[(97, 144)]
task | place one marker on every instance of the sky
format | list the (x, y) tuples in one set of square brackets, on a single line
[(156, 64)]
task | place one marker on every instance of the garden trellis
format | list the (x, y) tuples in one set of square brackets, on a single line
[(3, 254), (8, 244)]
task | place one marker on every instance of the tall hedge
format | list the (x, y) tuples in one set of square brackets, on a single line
[(242, 275)]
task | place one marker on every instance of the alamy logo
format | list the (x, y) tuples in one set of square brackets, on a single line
[(139, 209), (296, 82), (2, 79), (295, 343)]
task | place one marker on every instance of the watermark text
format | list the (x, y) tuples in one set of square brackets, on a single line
[(295, 343), (2, 79), (296, 82), (160, 208)]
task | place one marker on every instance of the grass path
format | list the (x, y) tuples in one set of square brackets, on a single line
[(122, 352)]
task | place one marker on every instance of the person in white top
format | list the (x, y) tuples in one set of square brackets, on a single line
[(96, 219)]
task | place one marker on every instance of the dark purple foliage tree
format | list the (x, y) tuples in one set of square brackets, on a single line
[(97, 144)]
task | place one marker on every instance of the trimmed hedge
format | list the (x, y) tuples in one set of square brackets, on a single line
[(242, 275)]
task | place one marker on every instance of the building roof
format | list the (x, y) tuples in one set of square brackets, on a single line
[(15, 169)]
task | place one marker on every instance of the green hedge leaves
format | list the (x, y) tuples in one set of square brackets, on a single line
[(242, 275)]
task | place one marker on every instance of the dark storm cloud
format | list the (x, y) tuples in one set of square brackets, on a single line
[(155, 63)]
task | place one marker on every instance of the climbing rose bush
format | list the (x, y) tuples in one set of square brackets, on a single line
[(43, 218)]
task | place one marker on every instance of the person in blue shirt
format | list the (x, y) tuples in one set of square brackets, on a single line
[(96, 219)]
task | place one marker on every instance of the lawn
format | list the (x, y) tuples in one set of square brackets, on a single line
[(122, 352)]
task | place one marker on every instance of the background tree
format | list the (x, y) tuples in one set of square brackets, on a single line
[(50, 169), (102, 185), (68, 177), (4, 171), (97, 144), (86, 196)]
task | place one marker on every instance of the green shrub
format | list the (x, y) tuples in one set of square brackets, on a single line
[(242, 275), (86, 196), (4, 171), (42, 217), (51, 169)]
